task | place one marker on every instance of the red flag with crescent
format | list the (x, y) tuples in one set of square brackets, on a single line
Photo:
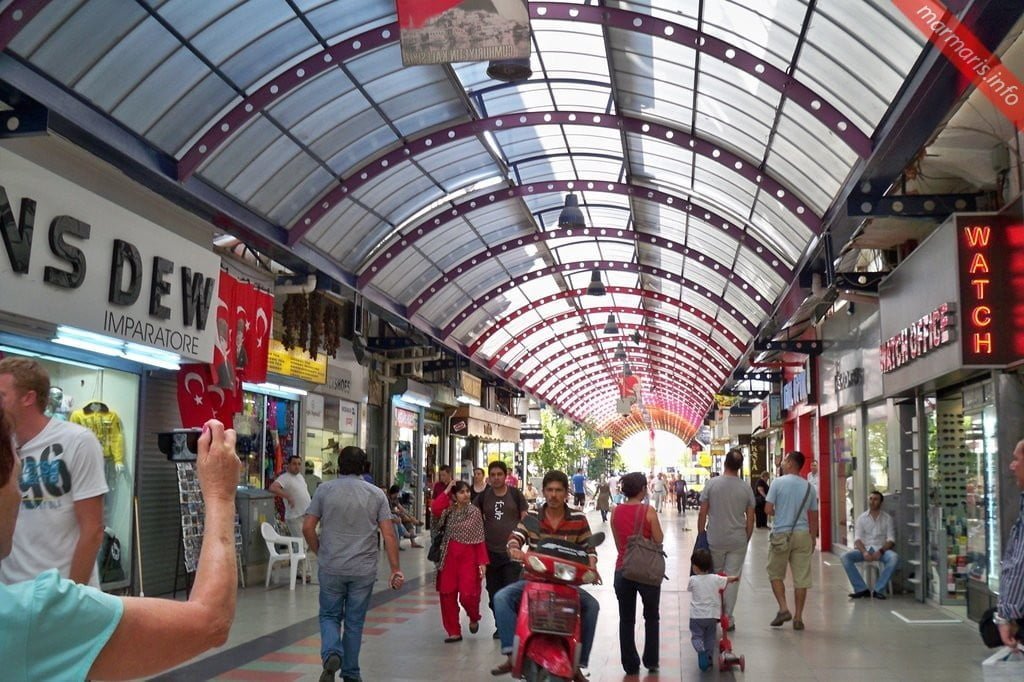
[(256, 344)]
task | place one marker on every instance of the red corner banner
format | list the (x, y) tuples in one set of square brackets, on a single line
[(968, 55)]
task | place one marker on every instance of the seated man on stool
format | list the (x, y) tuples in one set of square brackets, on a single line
[(873, 539)]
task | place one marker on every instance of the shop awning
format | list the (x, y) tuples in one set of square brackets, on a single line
[(486, 425)]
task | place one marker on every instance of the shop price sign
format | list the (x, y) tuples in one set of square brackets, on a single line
[(991, 264), (296, 363)]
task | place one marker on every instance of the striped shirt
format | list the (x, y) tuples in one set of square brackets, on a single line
[(574, 528), (1011, 579)]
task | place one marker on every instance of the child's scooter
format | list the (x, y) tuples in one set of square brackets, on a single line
[(727, 660)]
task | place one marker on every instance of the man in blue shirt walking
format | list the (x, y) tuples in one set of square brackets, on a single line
[(579, 490)]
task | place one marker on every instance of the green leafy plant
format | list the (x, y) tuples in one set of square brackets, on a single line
[(566, 447)]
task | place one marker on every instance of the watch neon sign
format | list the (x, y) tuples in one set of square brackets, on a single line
[(991, 259)]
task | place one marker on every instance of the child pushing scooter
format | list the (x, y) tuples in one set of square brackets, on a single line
[(707, 611)]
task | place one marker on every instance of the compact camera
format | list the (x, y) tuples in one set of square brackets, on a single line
[(179, 445)]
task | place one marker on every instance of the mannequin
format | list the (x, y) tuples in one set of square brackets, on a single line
[(55, 403)]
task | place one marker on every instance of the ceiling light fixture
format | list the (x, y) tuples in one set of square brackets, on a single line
[(596, 286), (620, 352), (627, 371), (509, 70), (571, 215), (610, 327)]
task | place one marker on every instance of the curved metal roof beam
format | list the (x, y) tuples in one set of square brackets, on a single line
[(730, 229), (16, 16), (595, 329), (436, 139), (635, 358), (581, 401), (640, 366), (681, 355), (578, 266), (297, 74), (586, 234), (575, 293), (522, 338), (603, 400)]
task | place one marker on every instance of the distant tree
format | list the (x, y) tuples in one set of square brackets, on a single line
[(567, 446)]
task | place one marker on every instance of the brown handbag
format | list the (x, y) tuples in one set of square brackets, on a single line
[(644, 560)]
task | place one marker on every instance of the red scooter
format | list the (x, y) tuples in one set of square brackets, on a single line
[(547, 642)]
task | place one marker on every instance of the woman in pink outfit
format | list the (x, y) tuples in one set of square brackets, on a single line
[(463, 558)]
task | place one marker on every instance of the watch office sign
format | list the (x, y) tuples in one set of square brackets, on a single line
[(81, 260)]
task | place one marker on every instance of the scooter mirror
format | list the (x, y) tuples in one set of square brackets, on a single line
[(596, 539)]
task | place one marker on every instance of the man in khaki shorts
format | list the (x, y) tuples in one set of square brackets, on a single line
[(794, 503)]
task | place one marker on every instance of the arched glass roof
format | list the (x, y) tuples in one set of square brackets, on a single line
[(705, 141)]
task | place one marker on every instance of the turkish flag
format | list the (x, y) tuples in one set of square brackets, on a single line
[(222, 371), (244, 311), (194, 402), (257, 339)]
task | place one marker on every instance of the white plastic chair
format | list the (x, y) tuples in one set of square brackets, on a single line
[(295, 552), (871, 570)]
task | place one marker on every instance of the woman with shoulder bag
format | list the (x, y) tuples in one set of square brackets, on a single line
[(629, 518), (463, 559)]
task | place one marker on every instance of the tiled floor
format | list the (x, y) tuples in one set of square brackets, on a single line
[(276, 637)]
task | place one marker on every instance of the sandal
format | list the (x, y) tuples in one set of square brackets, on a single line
[(781, 617), (503, 669), (798, 625)]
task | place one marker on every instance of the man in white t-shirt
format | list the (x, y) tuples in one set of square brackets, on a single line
[(291, 486), (62, 483)]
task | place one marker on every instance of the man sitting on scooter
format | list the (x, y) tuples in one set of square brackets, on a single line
[(556, 520)]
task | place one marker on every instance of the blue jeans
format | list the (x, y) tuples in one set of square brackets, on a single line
[(890, 560), (506, 610), (344, 598)]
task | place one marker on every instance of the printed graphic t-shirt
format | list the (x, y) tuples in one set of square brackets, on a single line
[(501, 516), (53, 629), (60, 466)]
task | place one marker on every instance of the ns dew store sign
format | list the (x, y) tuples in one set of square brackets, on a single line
[(74, 258)]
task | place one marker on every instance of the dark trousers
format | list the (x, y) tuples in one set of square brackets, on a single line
[(626, 592), (680, 501), (501, 571), (579, 499), (760, 516)]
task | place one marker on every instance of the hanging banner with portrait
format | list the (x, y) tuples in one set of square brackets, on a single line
[(446, 31)]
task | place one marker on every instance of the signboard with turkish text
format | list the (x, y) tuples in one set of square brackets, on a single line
[(74, 258), (313, 410), (296, 363), (348, 417), (446, 31)]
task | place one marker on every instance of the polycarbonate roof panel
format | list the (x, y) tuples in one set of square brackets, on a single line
[(334, 151), (571, 49), (337, 20)]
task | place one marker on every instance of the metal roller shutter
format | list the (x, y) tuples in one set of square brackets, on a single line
[(159, 521)]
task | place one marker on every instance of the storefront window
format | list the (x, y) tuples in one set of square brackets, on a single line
[(845, 452), (878, 448), (266, 436), (949, 462), (340, 429), (982, 496), (105, 401), (405, 437)]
